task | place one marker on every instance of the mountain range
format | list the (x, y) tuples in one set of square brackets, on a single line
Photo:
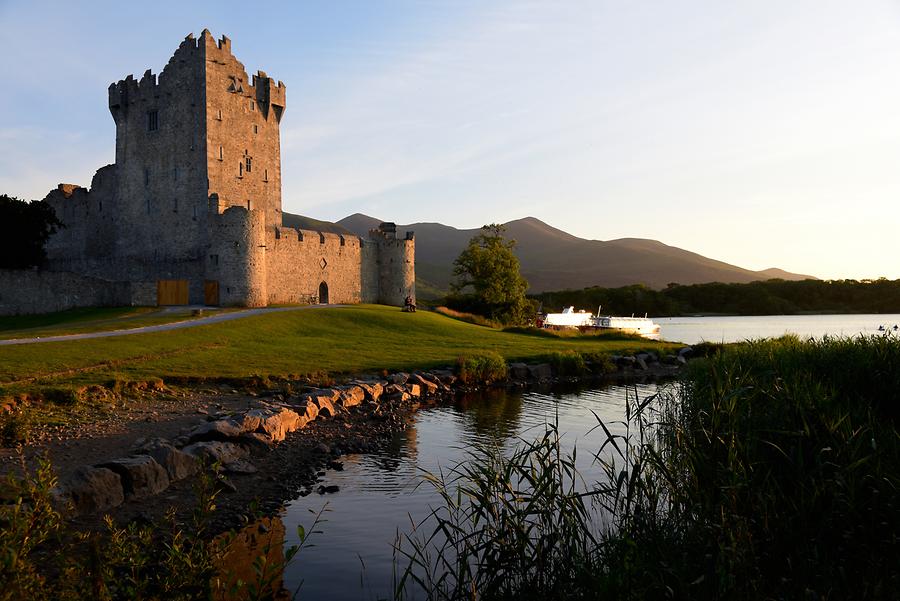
[(552, 259)]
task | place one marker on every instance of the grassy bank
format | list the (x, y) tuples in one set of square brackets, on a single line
[(772, 471), (92, 319), (336, 340)]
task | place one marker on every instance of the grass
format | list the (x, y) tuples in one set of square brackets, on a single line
[(86, 320), (771, 471), (340, 340)]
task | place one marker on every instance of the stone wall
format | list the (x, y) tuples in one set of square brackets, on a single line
[(299, 261), (27, 292)]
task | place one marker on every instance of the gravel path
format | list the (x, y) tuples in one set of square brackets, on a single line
[(177, 325)]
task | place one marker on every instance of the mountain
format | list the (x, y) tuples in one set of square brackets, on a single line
[(308, 223), (555, 260)]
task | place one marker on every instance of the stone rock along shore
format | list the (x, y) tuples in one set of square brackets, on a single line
[(228, 442)]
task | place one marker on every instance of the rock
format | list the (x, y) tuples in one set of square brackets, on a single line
[(327, 490), (326, 408), (540, 372), (682, 359), (141, 475), (307, 409), (177, 464), (226, 484), (91, 489), (518, 371), (429, 386), (398, 378), (351, 396), (397, 396), (641, 361), (220, 429), (323, 448), (627, 361), (414, 390), (256, 441), (669, 359), (336, 465), (241, 466), (685, 352), (217, 451), (446, 376), (277, 423), (372, 390)]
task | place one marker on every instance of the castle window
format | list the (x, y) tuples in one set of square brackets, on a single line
[(221, 153), (146, 177), (175, 205), (152, 120), (252, 105), (214, 259), (249, 207), (255, 129), (148, 206), (249, 163), (175, 173), (195, 214), (265, 175), (219, 116), (240, 169)]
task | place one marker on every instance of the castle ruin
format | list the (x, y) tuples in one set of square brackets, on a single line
[(190, 213)]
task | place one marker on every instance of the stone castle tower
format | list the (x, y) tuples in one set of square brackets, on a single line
[(192, 205)]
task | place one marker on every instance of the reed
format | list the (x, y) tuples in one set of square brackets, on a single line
[(771, 470)]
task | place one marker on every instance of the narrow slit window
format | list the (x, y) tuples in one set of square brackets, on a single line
[(252, 105), (148, 206), (240, 170), (221, 153), (175, 205), (146, 177), (249, 164), (152, 120), (265, 175), (255, 129)]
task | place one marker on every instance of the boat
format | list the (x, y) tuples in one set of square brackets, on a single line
[(582, 320)]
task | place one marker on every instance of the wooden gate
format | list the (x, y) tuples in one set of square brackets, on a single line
[(211, 293), (172, 292)]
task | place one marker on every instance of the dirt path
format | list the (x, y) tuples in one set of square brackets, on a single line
[(177, 325)]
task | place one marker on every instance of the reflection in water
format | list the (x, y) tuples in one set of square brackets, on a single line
[(380, 493), (258, 546)]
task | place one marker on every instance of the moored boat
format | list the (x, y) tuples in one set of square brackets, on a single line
[(582, 320)]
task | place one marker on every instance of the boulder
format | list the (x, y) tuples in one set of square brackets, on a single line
[(276, 423), (398, 378), (397, 396), (685, 352), (446, 376), (256, 441), (307, 409), (178, 464), (241, 466), (414, 390), (627, 361), (641, 361), (91, 489), (372, 390), (217, 451), (428, 385), (326, 408), (141, 475), (518, 371), (540, 372), (220, 429), (350, 396)]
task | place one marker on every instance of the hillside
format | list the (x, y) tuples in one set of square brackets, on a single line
[(554, 260)]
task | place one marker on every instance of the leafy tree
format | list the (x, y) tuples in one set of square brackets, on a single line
[(24, 230), (488, 267)]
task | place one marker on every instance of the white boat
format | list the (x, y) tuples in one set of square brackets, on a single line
[(570, 318)]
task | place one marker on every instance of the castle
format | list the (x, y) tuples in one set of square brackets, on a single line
[(190, 213)]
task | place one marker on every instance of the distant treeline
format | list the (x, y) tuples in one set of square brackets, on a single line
[(771, 297)]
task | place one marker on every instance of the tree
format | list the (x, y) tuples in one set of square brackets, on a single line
[(490, 270), (24, 230)]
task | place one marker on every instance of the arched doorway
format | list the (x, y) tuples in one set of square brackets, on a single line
[(323, 293)]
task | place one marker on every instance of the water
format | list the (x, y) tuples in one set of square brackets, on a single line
[(381, 492), (692, 330)]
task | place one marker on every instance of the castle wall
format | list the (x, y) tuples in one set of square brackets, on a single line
[(27, 292), (243, 148), (298, 261), (237, 257)]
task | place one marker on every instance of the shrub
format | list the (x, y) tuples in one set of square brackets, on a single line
[(482, 368), (472, 318), (566, 363)]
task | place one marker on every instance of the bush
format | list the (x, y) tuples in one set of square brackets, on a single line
[(482, 368), (472, 318), (566, 363)]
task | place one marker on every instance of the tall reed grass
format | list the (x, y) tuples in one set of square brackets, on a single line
[(771, 470)]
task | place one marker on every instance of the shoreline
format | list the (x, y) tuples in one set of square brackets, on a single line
[(272, 472)]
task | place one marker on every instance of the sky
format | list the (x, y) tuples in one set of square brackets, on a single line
[(760, 133)]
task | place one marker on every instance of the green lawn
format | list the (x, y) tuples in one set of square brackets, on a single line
[(363, 338), (92, 319)]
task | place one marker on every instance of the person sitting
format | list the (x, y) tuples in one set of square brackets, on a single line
[(409, 305)]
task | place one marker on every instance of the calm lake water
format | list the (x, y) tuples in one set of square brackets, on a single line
[(381, 492), (692, 330)]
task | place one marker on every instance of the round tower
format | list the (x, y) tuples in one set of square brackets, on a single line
[(237, 258), (396, 265)]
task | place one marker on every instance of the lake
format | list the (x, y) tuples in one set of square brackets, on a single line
[(692, 330), (381, 492)]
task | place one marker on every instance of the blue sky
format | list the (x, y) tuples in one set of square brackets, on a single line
[(759, 133)]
